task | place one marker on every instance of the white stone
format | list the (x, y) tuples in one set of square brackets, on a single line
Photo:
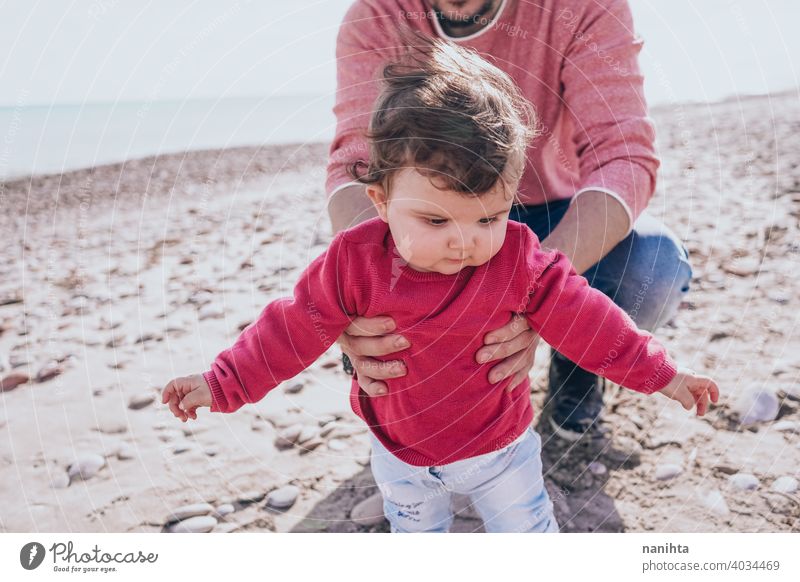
[(785, 484), (743, 481), (756, 406), (85, 466), (187, 511), (337, 445), (283, 497), (667, 471), (126, 452), (715, 503), (60, 481), (596, 468), (224, 509), (786, 426), (199, 524)]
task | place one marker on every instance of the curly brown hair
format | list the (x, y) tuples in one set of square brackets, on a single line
[(452, 116)]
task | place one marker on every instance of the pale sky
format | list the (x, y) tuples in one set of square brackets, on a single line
[(57, 51)]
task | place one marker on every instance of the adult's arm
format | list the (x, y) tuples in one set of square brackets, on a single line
[(603, 90)]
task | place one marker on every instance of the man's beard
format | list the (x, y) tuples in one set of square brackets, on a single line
[(466, 20)]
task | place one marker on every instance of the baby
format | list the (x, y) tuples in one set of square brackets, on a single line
[(447, 142)]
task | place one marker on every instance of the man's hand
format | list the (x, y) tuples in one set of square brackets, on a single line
[(515, 343), (371, 336)]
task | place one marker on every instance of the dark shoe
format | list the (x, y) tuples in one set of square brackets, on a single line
[(575, 398)]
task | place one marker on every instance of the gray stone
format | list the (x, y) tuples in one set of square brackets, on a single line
[(368, 511), (288, 436), (295, 388), (139, 401), (786, 426), (283, 497), (60, 481), (199, 524)]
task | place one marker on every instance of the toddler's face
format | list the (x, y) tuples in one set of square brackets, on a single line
[(441, 230)]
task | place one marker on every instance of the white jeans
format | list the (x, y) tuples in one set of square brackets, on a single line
[(505, 486)]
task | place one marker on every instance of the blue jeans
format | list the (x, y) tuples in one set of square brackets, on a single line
[(647, 274), (506, 487)]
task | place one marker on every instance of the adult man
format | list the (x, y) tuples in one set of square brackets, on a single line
[(588, 179)]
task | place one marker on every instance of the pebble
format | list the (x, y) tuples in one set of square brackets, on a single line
[(224, 509), (283, 497), (251, 497), (60, 481), (85, 466), (211, 311), (368, 511), (288, 436), (310, 445), (226, 527), (192, 510), (126, 452), (199, 524), (743, 481), (112, 427), (341, 429), (667, 471), (756, 406), (596, 468), (786, 426), (139, 401), (337, 444), (715, 502), (295, 388), (13, 380), (49, 372), (170, 435), (307, 434), (785, 484)]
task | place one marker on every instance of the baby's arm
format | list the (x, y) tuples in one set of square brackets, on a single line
[(288, 336), (591, 330)]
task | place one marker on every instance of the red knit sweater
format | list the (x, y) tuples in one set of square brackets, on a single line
[(444, 409)]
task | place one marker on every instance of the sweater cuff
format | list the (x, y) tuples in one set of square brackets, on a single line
[(662, 376), (218, 401)]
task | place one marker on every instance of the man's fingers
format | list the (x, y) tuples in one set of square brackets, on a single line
[(509, 331), (372, 387), (373, 369), (527, 339), (376, 346), (521, 362), (370, 326), (517, 380)]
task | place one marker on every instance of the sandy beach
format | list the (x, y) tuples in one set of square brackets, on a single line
[(118, 278)]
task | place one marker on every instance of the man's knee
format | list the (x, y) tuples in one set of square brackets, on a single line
[(652, 272)]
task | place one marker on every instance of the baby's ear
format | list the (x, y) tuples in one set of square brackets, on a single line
[(378, 196)]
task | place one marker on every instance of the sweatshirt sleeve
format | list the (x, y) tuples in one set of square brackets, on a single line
[(588, 328), (289, 334), (604, 91)]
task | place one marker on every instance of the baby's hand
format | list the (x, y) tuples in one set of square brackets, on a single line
[(185, 395), (690, 388)]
